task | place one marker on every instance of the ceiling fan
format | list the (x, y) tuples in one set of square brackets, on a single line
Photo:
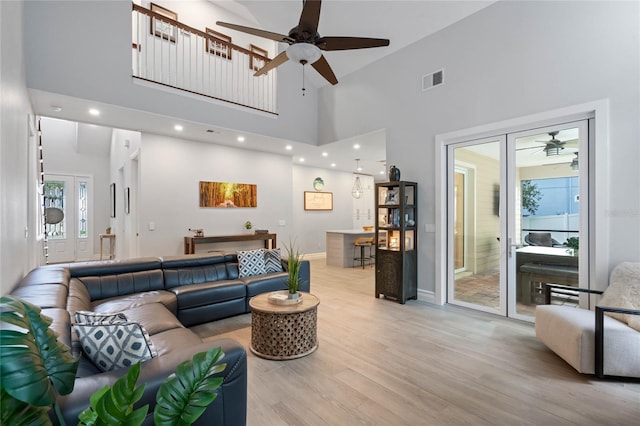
[(551, 147), (306, 44)]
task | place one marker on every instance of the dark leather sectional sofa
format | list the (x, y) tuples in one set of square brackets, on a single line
[(166, 295)]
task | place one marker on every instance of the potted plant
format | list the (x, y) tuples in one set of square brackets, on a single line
[(35, 368), (573, 244), (294, 262), (248, 225)]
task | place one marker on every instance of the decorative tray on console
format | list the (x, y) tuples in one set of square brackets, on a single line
[(282, 298)]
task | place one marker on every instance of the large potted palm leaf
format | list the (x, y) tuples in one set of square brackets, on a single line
[(35, 368)]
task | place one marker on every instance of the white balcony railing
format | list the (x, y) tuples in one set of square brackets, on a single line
[(170, 53)]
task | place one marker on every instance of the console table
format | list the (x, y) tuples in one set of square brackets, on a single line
[(190, 242)]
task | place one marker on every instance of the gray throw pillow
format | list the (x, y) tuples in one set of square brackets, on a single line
[(113, 346)]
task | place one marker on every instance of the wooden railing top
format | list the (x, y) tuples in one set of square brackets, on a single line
[(192, 30)]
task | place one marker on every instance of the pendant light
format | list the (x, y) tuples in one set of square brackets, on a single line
[(356, 191), (574, 163)]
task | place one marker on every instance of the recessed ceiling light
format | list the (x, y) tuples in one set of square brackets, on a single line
[(56, 108), (94, 111), (333, 164), (178, 127), (301, 160), (240, 139), (288, 147), (356, 146), (381, 172), (325, 154)]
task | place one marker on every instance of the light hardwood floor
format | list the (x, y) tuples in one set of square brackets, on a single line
[(382, 363)]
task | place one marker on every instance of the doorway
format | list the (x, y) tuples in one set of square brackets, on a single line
[(519, 208), (68, 218)]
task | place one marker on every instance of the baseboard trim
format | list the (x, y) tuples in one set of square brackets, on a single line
[(427, 296)]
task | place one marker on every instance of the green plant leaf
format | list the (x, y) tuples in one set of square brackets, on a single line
[(17, 413), (185, 395), (34, 365), (114, 406)]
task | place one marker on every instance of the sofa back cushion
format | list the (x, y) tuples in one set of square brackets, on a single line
[(194, 269), (195, 275), (113, 267), (108, 286)]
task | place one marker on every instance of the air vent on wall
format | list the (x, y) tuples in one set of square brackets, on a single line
[(429, 81)]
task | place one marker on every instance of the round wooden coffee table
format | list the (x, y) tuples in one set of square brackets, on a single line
[(283, 332)]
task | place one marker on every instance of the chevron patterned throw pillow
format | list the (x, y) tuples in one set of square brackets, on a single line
[(272, 261)]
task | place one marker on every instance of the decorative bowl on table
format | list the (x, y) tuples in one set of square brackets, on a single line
[(367, 228)]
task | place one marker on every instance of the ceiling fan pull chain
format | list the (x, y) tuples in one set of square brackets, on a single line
[(303, 62)]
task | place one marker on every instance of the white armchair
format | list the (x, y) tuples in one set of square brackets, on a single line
[(605, 342)]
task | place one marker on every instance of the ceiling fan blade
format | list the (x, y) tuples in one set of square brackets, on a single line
[(257, 32), (310, 16), (278, 60), (322, 66), (347, 43)]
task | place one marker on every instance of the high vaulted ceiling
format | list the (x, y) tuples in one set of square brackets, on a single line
[(402, 22)]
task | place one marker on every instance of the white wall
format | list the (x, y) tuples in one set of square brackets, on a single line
[(83, 49), (74, 149), (18, 188), (170, 172), (310, 226), (508, 60)]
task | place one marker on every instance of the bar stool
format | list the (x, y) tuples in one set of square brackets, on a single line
[(362, 243)]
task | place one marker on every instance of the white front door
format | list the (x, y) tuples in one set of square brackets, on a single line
[(69, 239)]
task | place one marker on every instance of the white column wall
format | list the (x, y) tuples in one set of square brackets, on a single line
[(18, 182)]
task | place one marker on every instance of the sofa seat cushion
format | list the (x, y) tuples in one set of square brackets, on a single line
[(155, 318), (122, 303), (174, 340), (570, 333), (44, 296), (265, 283), (190, 296)]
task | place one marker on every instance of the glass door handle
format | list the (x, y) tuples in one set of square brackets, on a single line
[(512, 246)]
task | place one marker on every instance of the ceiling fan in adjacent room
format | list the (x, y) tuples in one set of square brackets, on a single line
[(306, 45), (551, 147)]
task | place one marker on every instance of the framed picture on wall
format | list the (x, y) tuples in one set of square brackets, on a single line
[(318, 200), (112, 198)]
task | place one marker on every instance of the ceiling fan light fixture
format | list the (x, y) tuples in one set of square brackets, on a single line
[(552, 149), (300, 52)]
